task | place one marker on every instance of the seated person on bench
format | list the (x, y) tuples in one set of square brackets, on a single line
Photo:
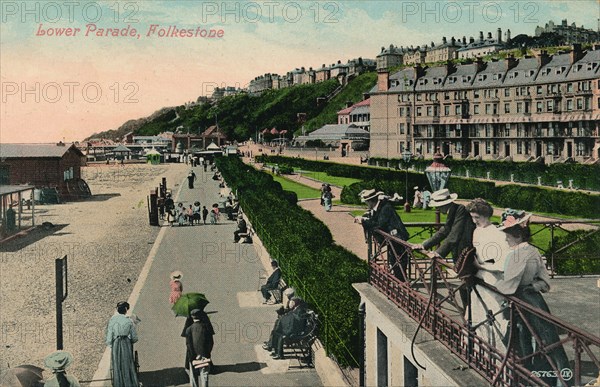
[(272, 282), (242, 228), (290, 324)]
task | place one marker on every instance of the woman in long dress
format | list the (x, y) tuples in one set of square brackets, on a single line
[(120, 336), (526, 277), (176, 286), (491, 248)]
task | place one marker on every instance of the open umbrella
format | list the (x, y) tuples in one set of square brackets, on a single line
[(188, 302), (22, 376)]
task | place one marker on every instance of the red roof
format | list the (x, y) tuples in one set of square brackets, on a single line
[(348, 110), (274, 131)]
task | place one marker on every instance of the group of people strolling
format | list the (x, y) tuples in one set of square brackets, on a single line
[(506, 264)]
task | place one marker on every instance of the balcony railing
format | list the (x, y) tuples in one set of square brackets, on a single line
[(431, 296)]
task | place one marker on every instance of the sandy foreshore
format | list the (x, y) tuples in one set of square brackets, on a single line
[(106, 238)]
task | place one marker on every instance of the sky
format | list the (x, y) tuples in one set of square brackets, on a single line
[(65, 76)]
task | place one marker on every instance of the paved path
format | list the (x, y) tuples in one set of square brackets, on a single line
[(228, 274)]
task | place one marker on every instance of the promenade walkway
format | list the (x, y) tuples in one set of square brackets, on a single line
[(227, 273)]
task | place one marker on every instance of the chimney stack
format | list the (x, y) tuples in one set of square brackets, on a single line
[(464, 40), (471, 40), (543, 58), (508, 36), (383, 80), (510, 61), (481, 36), (576, 53), (444, 41), (499, 35), (489, 36)]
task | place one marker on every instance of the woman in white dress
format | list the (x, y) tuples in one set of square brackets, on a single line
[(491, 248)]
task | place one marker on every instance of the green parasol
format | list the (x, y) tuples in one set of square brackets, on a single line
[(188, 302)]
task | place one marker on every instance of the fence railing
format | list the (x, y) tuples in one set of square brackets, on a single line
[(533, 343)]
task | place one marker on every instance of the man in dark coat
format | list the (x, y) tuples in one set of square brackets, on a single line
[(383, 216), (199, 342), (242, 228), (455, 235), (272, 282), (290, 324), (191, 178)]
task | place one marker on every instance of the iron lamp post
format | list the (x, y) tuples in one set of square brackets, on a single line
[(438, 175)]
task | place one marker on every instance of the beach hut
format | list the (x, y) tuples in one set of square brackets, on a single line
[(153, 157)]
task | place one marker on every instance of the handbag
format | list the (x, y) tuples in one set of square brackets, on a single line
[(465, 263)]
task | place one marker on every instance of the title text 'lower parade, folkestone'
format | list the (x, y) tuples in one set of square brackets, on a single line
[(154, 30)]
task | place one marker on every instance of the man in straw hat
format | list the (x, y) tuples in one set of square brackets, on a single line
[(120, 336), (58, 362), (455, 235), (383, 216)]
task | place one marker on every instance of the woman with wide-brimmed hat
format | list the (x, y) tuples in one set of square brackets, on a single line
[(526, 277), (176, 286), (58, 362)]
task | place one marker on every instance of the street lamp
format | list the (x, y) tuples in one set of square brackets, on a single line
[(406, 156), (438, 175)]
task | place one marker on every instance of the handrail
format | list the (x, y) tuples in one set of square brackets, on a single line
[(432, 279)]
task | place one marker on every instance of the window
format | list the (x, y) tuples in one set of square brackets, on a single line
[(447, 110), (488, 147), (475, 109), (457, 110), (587, 103), (475, 93), (446, 95), (507, 92), (419, 96), (519, 107), (539, 90), (507, 108), (419, 111), (429, 111), (488, 108), (401, 112), (539, 107), (550, 106), (569, 105), (519, 147), (569, 87), (401, 127), (579, 104)]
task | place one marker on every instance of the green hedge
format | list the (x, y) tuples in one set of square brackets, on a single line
[(322, 272), (586, 177), (529, 198), (580, 258)]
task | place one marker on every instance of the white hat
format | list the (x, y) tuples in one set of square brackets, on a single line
[(369, 194), (442, 197), (176, 275), (416, 187), (58, 360)]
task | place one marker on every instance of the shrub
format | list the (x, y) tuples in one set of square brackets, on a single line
[(579, 258)]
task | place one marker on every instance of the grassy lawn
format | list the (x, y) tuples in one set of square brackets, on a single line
[(303, 191), (333, 180)]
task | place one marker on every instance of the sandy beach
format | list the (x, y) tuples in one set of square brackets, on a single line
[(106, 238)]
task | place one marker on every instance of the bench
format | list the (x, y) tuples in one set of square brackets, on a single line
[(277, 293), (302, 344), (246, 237)]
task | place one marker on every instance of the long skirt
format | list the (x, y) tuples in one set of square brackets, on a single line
[(546, 331), (123, 367)]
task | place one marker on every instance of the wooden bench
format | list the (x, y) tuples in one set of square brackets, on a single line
[(246, 237), (302, 344), (277, 293)]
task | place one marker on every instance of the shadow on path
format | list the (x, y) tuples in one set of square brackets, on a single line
[(165, 377), (237, 368)]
